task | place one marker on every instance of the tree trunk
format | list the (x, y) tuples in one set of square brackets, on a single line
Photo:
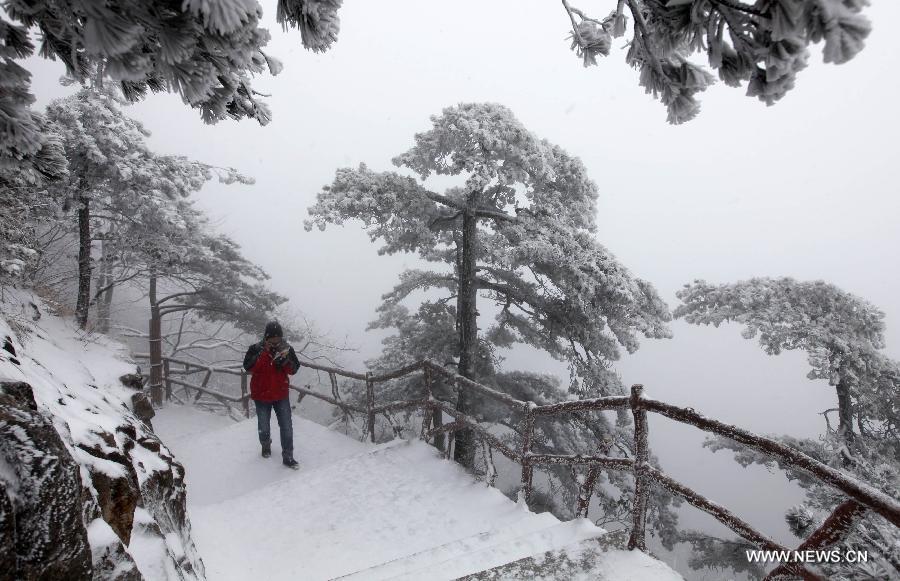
[(845, 411), (464, 448), (155, 340), (84, 261)]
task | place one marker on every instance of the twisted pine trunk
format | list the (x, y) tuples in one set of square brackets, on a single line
[(84, 260), (464, 451), (155, 341), (845, 411)]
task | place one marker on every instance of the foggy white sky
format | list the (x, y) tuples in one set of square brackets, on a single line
[(806, 188)]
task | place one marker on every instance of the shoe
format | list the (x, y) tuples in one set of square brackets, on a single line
[(266, 451), (291, 463)]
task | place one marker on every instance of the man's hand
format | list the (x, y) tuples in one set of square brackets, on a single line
[(280, 353)]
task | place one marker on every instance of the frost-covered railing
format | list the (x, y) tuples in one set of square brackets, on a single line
[(860, 497)]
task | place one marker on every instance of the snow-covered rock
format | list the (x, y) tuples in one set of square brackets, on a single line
[(106, 490), (41, 531)]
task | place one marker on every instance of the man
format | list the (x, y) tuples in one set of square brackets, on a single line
[(270, 362)]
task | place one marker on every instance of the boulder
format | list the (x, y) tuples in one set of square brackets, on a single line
[(7, 534), (117, 497), (133, 380), (42, 535), (115, 482), (143, 408)]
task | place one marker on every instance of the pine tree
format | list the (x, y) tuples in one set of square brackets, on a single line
[(112, 175), (104, 150), (518, 232), (31, 155), (842, 336)]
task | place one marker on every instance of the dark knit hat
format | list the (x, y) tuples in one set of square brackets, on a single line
[(273, 329)]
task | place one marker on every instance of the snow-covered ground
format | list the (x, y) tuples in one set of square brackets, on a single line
[(357, 511)]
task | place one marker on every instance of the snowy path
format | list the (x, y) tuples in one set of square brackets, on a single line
[(365, 512)]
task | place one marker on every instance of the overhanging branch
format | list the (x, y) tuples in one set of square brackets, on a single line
[(168, 310), (172, 296), (479, 212)]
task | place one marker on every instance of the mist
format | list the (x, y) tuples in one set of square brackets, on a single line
[(807, 189)]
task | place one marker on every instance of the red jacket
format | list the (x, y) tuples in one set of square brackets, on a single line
[(268, 381)]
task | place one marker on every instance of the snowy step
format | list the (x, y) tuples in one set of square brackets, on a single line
[(505, 550), (453, 549), (583, 561)]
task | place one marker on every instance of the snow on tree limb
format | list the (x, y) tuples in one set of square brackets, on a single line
[(317, 20), (206, 51), (842, 335), (763, 44)]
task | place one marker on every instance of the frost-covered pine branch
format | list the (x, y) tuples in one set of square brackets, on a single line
[(206, 51), (763, 44)]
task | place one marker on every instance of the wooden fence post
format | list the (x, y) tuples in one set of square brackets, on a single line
[(370, 405), (437, 420), (244, 395), (527, 468), (637, 539), (166, 379)]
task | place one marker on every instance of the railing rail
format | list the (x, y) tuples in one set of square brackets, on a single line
[(861, 497)]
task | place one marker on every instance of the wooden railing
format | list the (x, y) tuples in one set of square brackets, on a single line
[(860, 497)]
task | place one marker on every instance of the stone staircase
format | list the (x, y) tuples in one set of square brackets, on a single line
[(518, 540), (361, 512)]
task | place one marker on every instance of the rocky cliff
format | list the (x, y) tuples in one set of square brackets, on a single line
[(87, 490)]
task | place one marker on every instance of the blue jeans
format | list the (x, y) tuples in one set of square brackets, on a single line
[(286, 429)]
